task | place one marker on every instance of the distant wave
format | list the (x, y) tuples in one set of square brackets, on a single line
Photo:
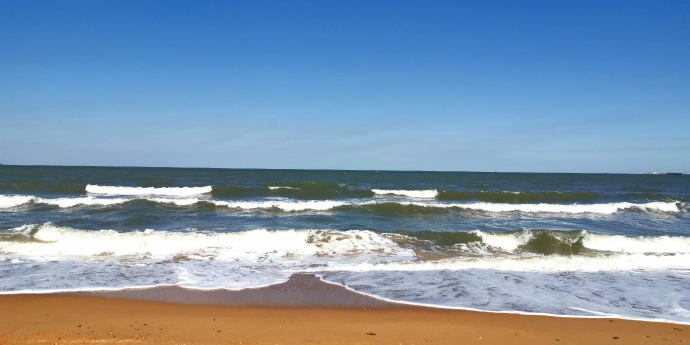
[(604, 208), (10, 201), (330, 190), (417, 208), (140, 191), (436, 207), (387, 207), (430, 193), (282, 205), (551, 197), (80, 201)]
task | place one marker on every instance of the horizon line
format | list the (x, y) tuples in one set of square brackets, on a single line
[(332, 169)]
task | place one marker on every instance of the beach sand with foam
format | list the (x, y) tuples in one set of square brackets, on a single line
[(301, 311)]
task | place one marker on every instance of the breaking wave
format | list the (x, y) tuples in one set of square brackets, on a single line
[(403, 208), (574, 242), (9, 201), (430, 193), (552, 197), (604, 208), (141, 191), (545, 242), (420, 208), (50, 240)]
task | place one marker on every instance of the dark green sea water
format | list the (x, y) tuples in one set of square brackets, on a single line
[(586, 244)]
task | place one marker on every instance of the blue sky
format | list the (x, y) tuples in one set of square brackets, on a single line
[(568, 86)]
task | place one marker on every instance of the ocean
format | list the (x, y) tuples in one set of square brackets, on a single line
[(602, 245)]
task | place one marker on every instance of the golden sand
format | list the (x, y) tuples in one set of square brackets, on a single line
[(61, 319)]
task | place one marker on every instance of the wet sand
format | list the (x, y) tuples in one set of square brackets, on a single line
[(311, 312)]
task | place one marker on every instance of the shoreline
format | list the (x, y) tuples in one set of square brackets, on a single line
[(303, 310), (301, 290)]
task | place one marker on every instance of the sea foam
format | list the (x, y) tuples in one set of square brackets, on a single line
[(665, 245), (347, 247), (141, 191), (50, 240), (79, 201), (530, 263), (186, 197), (287, 205), (604, 208), (430, 193), (9, 201), (291, 205)]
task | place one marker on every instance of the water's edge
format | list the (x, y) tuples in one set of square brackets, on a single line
[(301, 290)]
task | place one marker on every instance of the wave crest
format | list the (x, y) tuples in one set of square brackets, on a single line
[(429, 193), (553, 241), (143, 191), (301, 249), (605, 208), (402, 208), (9, 201), (50, 240)]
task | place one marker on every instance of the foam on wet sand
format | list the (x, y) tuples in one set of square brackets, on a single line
[(302, 310)]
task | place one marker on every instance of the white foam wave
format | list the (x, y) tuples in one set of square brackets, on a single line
[(254, 246), (608, 208), (642, 244), (345, 247), (429, 193), (87, 200), (535, 263), (624, 294), (610, 243), (18, 200), (292, 205), (141, 191), (9, 201), (286, 205), (176, 201), (280, 187), (283, 204), (505, 241)]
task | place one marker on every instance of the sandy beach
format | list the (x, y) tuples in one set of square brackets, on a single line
[(42, 319), (149, 316)]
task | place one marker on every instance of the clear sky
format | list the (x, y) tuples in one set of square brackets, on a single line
[(564, 86)]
